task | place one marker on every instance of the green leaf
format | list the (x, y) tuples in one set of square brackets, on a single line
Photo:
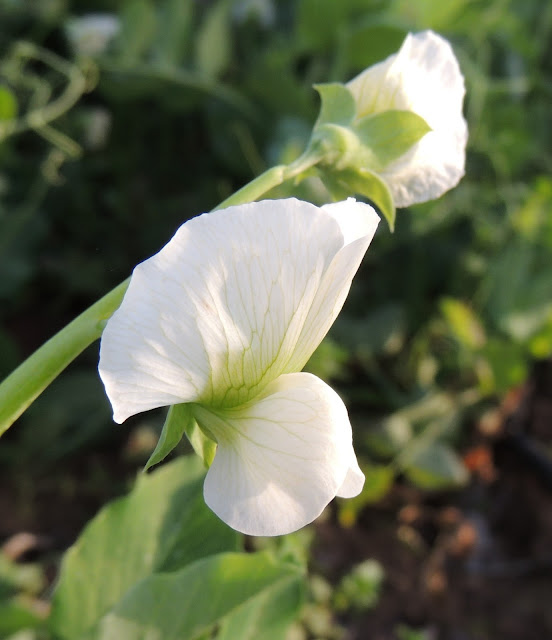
[(365, 183), (507, 365), (436, 467), (390, 134), (8, 104), (163, 525), (464, 324), (138, 28), (189, 602), (337, 106), (16, 616), (213, 41), (175, 31), (266, 617)]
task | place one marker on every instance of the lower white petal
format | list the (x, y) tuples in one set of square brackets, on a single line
[(280, 459), (354, 480)]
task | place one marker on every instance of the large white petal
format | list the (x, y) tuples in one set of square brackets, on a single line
[(280, 459), (358, 223), (423, 77), (218, 312), (354, 480)]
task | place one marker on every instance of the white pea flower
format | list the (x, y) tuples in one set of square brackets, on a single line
[(422, 77), (224, 317)]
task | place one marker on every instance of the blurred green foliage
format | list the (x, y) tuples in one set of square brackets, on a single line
[(184, 101)]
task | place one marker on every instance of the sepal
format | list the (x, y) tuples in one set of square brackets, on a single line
[(389, 135), (361, 182), (180, 421), (337, 104)]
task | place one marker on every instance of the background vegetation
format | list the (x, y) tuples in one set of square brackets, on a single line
[(442, 352)]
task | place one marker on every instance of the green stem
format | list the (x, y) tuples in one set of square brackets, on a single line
[(256, 188), (272, 178), (30, 379)]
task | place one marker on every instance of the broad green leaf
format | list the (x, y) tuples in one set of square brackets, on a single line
[(337, 106), (163, 525), (188, 603), (213, 40), (362, 182), (390, 134), (266, 617), (436, 467), (8, 104)]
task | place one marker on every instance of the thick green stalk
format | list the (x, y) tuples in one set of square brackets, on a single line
[(30, 379), (272, 178)]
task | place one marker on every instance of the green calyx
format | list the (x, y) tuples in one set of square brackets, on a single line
[(356, 151)]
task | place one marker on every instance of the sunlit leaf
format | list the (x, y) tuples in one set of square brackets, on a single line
[(162, 525), (465, 325), (189, 602), (266, 617), (8, 104)]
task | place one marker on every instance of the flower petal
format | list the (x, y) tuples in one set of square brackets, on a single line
[(354, 480), (423, 77), (280, 459), (358, 223), (218, 312)]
